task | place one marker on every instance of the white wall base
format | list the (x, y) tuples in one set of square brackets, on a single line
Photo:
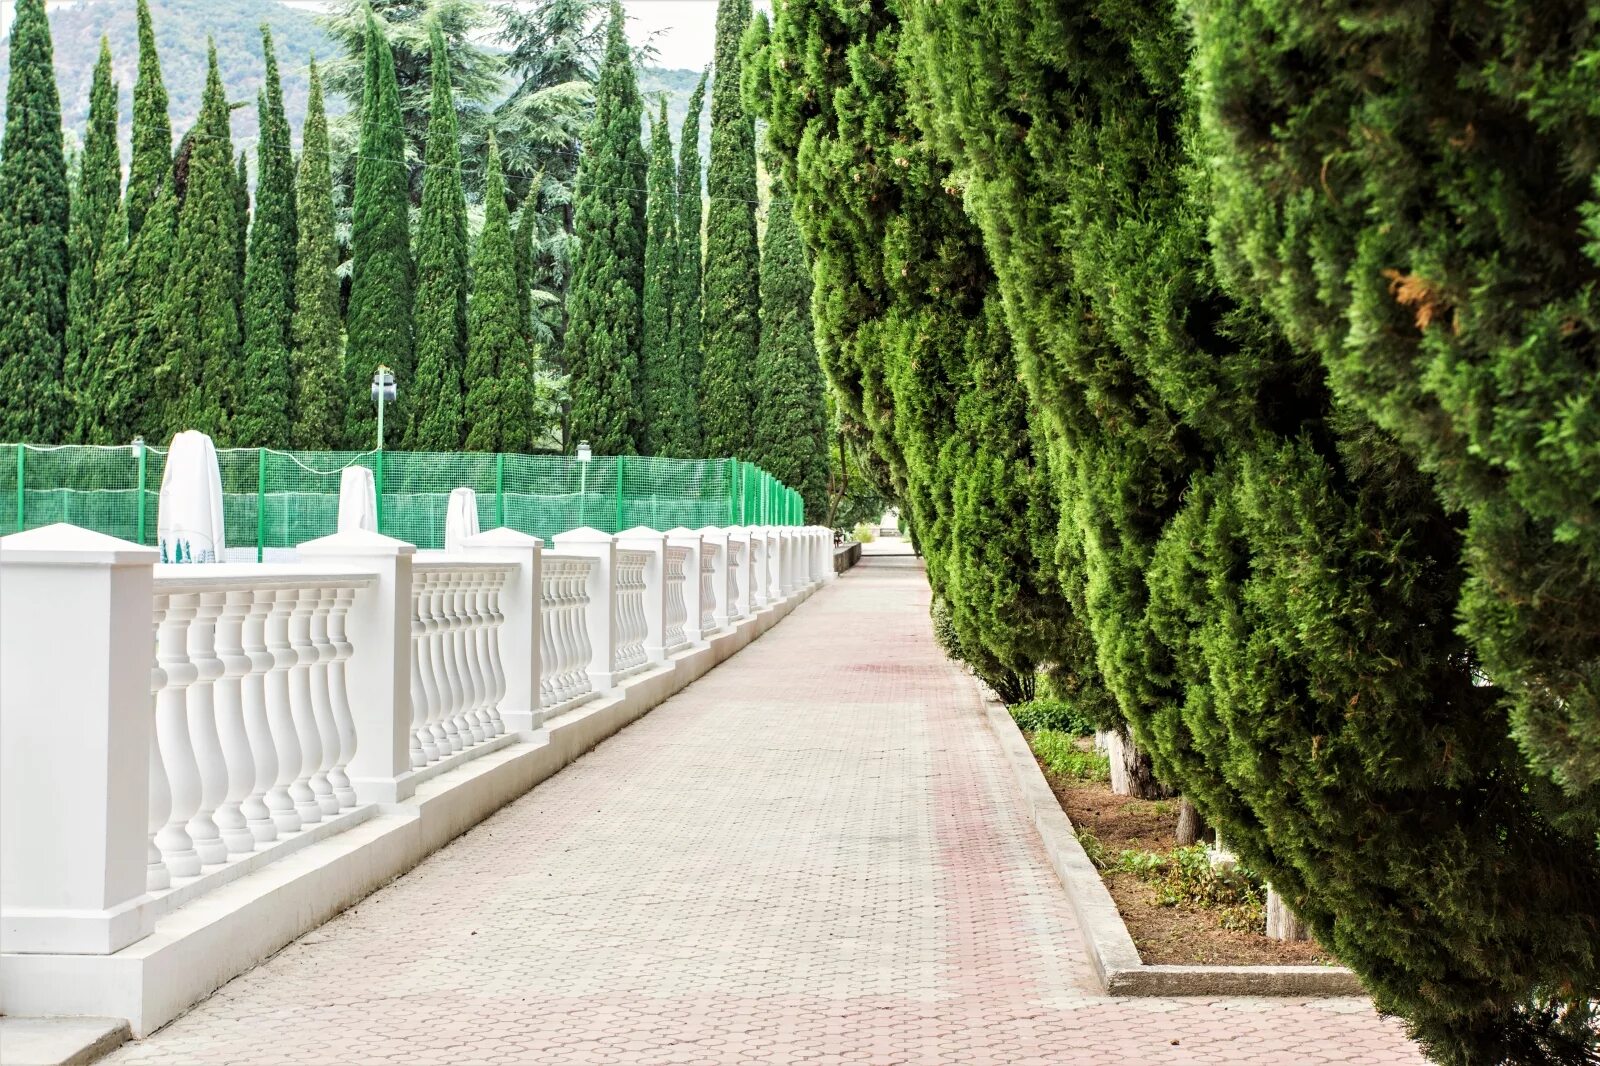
[(207, 942)]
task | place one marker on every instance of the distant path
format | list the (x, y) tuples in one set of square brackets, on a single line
[(814, 854)]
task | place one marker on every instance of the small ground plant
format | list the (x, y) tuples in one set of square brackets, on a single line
[(1061, 755), (1044, 713)]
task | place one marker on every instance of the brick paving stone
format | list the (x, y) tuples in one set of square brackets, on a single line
[(813, 854)]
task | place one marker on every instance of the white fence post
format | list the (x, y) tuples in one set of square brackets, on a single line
[(694, 589), (645, 539), (715, 541), (378, 674), (600, 618), (521, 635), (76, 723), (743, 603)]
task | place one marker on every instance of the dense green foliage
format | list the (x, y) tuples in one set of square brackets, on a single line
[(263, 416), (731, 296), (316, 399), (686, 325), (605, 304), (151, 164), (382, 277), (501, 407), (95, 200), (1462, 228), (669, 420), (34, 209), (437, 410), (202, 372), (1270, 581)]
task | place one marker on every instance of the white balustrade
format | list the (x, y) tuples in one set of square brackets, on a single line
[(708, 587), (564, 606), (632, 623), (677, 608), (457, 673)]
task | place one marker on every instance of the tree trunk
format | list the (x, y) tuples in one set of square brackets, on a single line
[(1281, 922), (1131, 771), (1190, 824)]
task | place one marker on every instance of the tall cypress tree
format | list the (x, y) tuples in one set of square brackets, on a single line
[(499, 371), (203, 371), (791, 425), (523, 238), (605, 301), (34, 209), (91, 238), (686, 329), (151, 162), (382, 278), (316, 406), (668, 396), (128, 356), (441, 313), (263, 418), (731, 312), (241, 212)]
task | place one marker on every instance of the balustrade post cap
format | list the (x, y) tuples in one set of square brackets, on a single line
[(63, 542), (713, 531), (582, 535), (503, 537), (684, 533), (642, 533), (357, 542)]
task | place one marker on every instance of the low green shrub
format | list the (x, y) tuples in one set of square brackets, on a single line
[(1185, 877), (1043, 713), (1092, 847), (866, 532), (1061, 756)]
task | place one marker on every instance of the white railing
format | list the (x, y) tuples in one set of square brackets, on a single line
[(456, 677), (564, 675), (708, 587), (632, 624), (677, 616)]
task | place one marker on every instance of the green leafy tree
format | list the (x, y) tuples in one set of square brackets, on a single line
[(382, 276), (686, 327), (441, 315), (316, 404), (500, 407), (1464, 226), (605, 303), (34, 209), (731, 295), (668, 394), (1272, 584), (264, 412), (91, 236), (151, 163), (200, 328)]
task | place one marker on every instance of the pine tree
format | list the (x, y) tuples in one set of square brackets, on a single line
[(90, 239), (263, 418), (441, 312), (791, 426), (731, 309), (316, 408), (499, 369), (151, 163), (686, 328), (203, 369), (605, 301), (382, 277), (34, 210), (668, 397)]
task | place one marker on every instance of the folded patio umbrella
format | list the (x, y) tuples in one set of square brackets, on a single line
[(189, 524), (358, 500), (461, 520)]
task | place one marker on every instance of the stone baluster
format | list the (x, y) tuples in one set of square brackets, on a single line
[(698, 592), (303, 711), (172, 727), (339, 697), (715, 541), (652, 605), (200, 699), (492, 598), (599, 620), (280, 715), (424, 747), (444, 726), (257, 726), (159, 799), (231, 732), (569, 615), (474, 676), (550, 662), (322, 703), (739, 595)]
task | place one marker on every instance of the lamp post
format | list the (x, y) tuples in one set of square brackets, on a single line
[(383, 390), (584, 455)]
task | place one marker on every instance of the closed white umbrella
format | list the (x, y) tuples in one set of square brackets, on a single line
[(358, 500), (189, 524), (461, 520)]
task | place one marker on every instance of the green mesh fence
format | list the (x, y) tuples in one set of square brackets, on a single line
[(275, 500)]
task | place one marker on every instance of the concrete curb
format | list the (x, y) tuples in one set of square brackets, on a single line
[(1117, 966), (59, 1041)]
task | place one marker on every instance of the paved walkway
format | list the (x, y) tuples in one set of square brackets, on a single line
[(813, 854)]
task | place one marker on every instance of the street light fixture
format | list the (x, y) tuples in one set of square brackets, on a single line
[(383, 389), (584, 455)]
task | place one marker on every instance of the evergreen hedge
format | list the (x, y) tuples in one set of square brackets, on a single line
[(669, 417), (95, 202), (316, 396), (686, 325)]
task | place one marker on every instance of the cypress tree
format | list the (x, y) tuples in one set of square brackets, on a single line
[(91, 238), (381, 274), (127, 357), (791, 426), (200, 318), (668, 398), (524, 237), (241, 213), (263, 418), (499, 372), (686, 285), (34, 209), (731, 294), (1272, 584), (441, 313), (316, 407), (151, 162), (604, 303), (1463, 224)]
